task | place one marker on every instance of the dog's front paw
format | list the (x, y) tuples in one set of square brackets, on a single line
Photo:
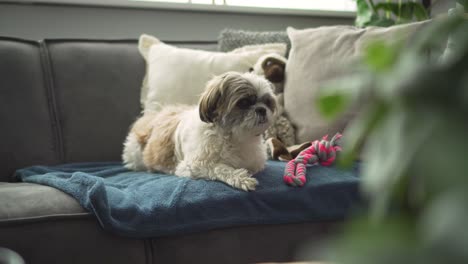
[(248, 184), (243, 180), (183, 170)]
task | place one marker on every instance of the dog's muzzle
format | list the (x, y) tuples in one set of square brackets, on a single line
[(261, 115)]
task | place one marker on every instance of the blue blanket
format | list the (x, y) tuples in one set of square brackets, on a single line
[(141, 204)]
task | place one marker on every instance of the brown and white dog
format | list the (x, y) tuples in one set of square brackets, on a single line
[(220, 139)]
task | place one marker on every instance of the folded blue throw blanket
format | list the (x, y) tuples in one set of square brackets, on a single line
[(142, 204)]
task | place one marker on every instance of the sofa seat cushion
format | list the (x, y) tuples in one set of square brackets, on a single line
[(45, 225), (141, 204), (81, 240), (27, 201), (69, 239)]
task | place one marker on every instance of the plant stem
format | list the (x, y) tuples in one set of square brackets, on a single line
[(387, 13), (399, 11), (371, 4)]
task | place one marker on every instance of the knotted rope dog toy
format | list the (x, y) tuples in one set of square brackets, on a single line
[(321, 151)]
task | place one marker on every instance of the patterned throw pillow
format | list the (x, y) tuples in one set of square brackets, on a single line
[(230, 39)]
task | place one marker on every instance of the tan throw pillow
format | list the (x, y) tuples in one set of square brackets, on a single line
[(178, 75), (318, 55)]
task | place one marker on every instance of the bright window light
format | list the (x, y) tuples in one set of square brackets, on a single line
[(165, 1), (329, 5), (206, 2), (344, 5)]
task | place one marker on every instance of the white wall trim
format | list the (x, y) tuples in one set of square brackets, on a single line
[(187, 7)]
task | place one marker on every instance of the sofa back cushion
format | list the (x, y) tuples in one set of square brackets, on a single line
[(65, 101), (27, 130), (96, 87)]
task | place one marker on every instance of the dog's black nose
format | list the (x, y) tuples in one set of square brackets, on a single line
[(260, 111)]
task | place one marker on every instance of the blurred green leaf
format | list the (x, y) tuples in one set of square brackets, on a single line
[(357, 132), (381, 22), (332, 105), (338, 95), (380, 56), (464, 3), (458, 41), (430, 37), (403, 12), (447, 143), (408, 69), (406, 10), (441, 222), (388, 6), (420, 12), (391, 242), (390, 150), (364, 13)]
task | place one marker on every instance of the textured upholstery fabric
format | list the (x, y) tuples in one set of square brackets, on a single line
[(54, 94), (79, 239), (230, 39), (45, 225), (96, 87), (27, 129), (249, 244), (27, 200), (72, 239)]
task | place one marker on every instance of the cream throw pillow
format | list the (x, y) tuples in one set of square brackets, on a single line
[(178, 75), (319, 55)]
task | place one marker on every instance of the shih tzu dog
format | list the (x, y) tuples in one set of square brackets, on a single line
[(220, 139)]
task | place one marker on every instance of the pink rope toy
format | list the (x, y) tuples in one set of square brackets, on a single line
[(321, 151)]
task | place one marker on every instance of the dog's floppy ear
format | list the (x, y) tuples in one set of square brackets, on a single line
[(219, 88), (210, 98)]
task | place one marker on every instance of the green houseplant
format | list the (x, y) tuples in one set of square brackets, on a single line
[(388, 13), (413, 134)]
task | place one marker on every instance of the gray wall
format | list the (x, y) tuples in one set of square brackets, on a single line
[(61, 21)]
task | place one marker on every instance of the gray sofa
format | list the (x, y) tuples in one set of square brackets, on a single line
[(54, 96)]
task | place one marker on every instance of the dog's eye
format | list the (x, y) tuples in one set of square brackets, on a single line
[(268, 63), (245, 103)]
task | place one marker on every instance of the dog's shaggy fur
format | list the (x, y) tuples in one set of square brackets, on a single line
[(220, 139)]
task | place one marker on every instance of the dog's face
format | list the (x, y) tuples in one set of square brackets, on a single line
[(274, 69), (243, 103)]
